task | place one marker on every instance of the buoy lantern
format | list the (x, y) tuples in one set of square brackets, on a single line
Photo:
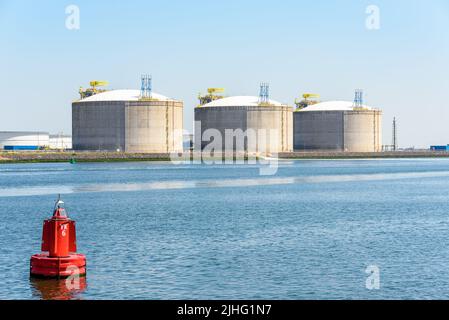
[(58, 258)]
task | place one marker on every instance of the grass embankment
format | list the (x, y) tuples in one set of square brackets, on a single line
[(55, 157)]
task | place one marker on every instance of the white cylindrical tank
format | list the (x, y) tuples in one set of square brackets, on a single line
[(338, 126), (120, 120), (23, 140), (267, 128)]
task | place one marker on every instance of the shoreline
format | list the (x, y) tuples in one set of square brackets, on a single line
[(318, 155), (94, 156), (65, 157)]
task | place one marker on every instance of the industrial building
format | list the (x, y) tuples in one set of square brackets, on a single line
[(440, 148), (33, 140), (23, 140), (139, 121), (338, 126), (271, 121), (60, 141)]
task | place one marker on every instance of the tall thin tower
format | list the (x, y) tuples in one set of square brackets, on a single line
[(394, 143)]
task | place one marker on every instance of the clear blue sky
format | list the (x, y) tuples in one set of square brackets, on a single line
[(297, 46)]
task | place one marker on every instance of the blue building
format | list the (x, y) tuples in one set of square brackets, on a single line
[(440, 148), (23, 140)]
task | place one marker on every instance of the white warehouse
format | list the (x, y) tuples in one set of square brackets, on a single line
[(24, 140)]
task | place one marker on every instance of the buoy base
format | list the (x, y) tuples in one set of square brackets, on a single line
[(43, 266)]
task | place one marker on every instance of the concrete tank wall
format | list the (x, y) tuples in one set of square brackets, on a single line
[(272, 126), (217, 118), (154, 126), (321, 130), (352, 131), (363, 131), (98, 125), (130, 126)]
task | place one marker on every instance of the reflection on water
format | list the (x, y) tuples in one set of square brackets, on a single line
[(53, 289), (224, 183)]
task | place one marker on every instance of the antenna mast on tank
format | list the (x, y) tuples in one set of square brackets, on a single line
[(146, 86), (142, 86), (149, 86), (358, 98), (264, 96)]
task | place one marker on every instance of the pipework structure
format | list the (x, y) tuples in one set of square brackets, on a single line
[(308, 99), (212, 95)]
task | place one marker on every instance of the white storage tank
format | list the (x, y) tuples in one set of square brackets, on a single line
[(272, 123), (121, 120), (338, 126)]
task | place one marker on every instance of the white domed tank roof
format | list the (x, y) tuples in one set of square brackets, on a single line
[(122, 95), (334, 106), (239, 101)]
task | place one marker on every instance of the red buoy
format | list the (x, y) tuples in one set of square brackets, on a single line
[(58, 258)]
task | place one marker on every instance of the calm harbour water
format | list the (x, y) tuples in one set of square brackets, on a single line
[(163, 231)]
